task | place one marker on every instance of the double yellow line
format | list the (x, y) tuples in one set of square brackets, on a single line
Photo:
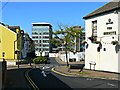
[(30, 80)]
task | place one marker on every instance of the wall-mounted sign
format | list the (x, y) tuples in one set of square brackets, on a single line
[(109, 33), (109, 28), (109, 22), (17, 51)]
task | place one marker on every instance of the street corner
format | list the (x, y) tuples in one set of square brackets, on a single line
[(63, 70)]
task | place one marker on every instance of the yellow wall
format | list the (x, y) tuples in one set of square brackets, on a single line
[(0, 41), (8, 37)]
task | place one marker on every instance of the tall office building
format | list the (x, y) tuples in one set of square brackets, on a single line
[(41, 35)]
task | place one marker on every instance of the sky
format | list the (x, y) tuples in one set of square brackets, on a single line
[(24, 14)]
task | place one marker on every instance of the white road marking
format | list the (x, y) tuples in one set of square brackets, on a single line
[(89, 79), (110, 84), (44, 75)]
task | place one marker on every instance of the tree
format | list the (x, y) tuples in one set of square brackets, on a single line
[(67, 35)]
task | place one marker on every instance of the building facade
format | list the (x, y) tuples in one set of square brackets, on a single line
[(103, 38), (26, 45), (29, 48), (7, 38), (41, 35), (19, 41)]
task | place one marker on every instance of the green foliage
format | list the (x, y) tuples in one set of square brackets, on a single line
[(39, 60), (55, 42), (67, 35), (84, 73)]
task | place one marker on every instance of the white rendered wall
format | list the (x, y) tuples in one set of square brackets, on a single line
[(11, 63), (105, 60), (78, 56), (53, 54)]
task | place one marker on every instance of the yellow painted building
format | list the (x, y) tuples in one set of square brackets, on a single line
[(7, 47)]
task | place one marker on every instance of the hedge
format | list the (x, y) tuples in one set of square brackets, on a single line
[(39, 60)]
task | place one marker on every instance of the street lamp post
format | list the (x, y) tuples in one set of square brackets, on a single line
[(17, 52)]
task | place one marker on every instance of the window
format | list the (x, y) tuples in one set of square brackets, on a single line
[(104, 49), (94, 30), (45, 49), (45, 45), (36, 41), (45, 33), (39, 49), (36, 44), (35, 33), (34, 36), (47, 37), (40, 45), (45, 41), (39, 41)]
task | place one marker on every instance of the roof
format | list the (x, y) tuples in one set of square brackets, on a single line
[(41, 23), (7, 28), (16, 27), (106, 8), (13, 28)]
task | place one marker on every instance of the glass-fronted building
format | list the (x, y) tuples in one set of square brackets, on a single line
[(41, 35)]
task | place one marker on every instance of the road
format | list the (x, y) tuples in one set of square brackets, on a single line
[(53, 80)]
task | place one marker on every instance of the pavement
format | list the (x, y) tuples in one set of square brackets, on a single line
[(63, 70), (64, 63)]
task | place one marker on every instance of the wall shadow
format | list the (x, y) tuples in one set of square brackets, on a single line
[(16, 79), (117, 48), (49, 82)]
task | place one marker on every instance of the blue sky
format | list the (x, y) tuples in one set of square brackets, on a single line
[(66, 13)]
